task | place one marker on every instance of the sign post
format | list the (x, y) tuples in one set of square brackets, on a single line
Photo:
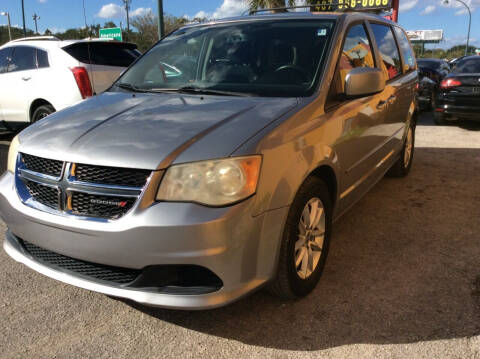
[(114, 33)]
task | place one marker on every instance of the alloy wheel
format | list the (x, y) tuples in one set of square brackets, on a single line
[(311, 237)]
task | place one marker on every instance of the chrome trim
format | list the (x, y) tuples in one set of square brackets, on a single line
[(68, 185), (368, 174), (25, 171), (101, 185)]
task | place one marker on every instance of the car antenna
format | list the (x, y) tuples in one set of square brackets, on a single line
[(88, 49)]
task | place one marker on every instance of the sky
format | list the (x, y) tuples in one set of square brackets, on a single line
[(58, 15)]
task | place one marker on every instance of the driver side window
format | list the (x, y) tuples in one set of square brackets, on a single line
[(356, 52)]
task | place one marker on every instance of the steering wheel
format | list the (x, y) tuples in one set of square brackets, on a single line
[(306, 76)]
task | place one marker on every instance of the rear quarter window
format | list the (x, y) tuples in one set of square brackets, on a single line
[(106, 54), (42, 59)]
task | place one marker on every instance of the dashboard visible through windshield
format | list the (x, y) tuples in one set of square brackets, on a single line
[(269, 58)]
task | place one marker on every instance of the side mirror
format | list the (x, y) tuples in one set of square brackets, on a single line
[(364, 81)]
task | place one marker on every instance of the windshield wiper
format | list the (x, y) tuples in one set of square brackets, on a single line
[(201, 91), (130, 87)]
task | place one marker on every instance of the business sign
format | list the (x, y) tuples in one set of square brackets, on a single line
[(425, 35), (357, 5), (114, 33)]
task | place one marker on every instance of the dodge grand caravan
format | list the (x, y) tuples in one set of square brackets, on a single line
[(218, 162)]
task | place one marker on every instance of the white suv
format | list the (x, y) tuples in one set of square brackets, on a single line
[(41, 75)]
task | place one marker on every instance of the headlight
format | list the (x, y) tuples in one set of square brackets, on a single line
[(12, 155), (213, 183)]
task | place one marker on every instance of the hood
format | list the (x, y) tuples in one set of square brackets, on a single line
[(148, 131)]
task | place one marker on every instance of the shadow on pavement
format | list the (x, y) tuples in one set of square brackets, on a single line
[(426, 119), (403, 268)]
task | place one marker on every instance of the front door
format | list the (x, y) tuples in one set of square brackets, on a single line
[(359, 147), (4, 58), (18, 83)]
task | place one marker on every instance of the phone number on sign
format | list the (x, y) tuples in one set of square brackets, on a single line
[(325, 5)]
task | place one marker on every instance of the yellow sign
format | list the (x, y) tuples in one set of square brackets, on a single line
[(359, 5)]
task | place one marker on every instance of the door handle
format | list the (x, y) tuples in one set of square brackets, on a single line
[(381, 105), (26, 78), (392, 99)]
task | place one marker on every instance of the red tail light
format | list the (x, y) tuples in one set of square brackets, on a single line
[(83, 81), (450, 83), (417, 86)]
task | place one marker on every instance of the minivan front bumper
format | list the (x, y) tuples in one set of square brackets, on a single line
[(237, 247)]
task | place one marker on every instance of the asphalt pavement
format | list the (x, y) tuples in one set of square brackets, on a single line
[(402, 281)]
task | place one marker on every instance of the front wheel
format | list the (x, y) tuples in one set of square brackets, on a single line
[(305, 241), (402, 167), (42, 112)]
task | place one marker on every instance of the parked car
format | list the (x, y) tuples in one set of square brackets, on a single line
[(431, 72), (452, 63), (41, 75), (459, 96), (190, 185)]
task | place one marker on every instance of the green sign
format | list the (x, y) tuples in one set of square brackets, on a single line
[(111, 33)]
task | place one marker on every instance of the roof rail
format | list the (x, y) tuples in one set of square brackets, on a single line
[(330, 6), (37, 38)]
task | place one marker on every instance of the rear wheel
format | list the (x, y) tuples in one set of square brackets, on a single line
[(402, 167), (42, 112), (305, 242), (440, 119)]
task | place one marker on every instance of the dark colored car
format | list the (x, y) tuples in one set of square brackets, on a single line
[(431, 72), (459, 95)]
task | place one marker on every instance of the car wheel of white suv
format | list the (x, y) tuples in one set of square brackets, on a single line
[(41, 112)]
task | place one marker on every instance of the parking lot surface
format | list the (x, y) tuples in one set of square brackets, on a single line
[(402, 281)]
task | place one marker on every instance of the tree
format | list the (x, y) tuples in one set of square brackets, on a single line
[(109, 24), (269, 4), (148, 29)]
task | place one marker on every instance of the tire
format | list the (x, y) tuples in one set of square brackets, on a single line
[(42, 112), (440, 119), (402, 167), (291, 281), (434, 102)]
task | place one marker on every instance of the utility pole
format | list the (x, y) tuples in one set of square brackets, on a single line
[(23, 15), (8, 18), (35, 18), (161, 23), (446, 2), (127, 9)]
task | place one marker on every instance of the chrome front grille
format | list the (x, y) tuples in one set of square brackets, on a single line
[(78, 189), (43, 165), (46, 195), (111, 175)]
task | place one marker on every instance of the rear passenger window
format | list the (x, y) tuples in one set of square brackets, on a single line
[(103, 53), (42, 59), (407, 51), (4, 60), (23, 58), (357, 52), (391, 63)]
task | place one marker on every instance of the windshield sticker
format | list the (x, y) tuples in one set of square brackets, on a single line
[(322, 32)]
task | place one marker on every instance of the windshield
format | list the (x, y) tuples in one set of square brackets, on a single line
[(270, 58), (430, 64), (470, 66)]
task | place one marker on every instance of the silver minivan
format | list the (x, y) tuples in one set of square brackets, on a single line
[(218, 162)]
